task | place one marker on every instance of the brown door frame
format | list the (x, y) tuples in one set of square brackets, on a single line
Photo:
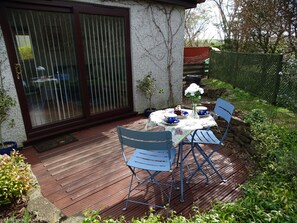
[(38, 133)]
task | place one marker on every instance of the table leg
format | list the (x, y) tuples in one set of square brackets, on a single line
[(181, 172)]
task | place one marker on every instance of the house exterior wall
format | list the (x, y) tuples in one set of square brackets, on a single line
[(16, 133), (148, 28)]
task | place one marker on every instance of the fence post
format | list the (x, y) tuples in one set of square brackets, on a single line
[(210, 66), (277, 78)]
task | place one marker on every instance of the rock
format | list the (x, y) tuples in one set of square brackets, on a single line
[(238, 121), (45, 211), (245, 139)]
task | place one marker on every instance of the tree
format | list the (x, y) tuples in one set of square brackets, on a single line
[(264, 22), (228, 12), (267, 26), (291, 18), (196, 21)]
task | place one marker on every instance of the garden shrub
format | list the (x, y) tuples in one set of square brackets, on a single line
[(256, 116), (15, 178), (276, 146), (287, 95)]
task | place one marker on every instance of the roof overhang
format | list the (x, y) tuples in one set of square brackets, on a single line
[(185, 3)]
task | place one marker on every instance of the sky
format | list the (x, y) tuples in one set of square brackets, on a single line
[(211, 32)]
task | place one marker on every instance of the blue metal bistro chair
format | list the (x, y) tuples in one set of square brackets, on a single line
[(153, 153), (224, 110)]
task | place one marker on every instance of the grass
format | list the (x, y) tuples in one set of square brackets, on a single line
[(246, 102)]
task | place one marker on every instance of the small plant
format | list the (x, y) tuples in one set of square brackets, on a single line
[(15, 178), (256, 116), (148, 86), (25, 219), (93, 216)]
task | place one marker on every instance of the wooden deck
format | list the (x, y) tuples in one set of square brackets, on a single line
[(90, 174)]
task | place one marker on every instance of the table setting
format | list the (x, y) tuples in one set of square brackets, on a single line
[(180, 121)]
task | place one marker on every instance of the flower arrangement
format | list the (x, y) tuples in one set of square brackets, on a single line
[(193, 92)]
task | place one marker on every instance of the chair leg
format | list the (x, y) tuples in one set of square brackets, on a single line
[(172, 184), (151, 179), (199, 167), (208, 160), (130, 186)]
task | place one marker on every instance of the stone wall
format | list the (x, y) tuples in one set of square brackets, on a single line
[(239, 132)]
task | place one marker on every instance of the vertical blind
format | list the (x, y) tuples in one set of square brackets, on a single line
[(45, 49), (105, 62)]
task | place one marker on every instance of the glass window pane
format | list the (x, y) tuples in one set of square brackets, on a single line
[(45, 48), (104, 52)]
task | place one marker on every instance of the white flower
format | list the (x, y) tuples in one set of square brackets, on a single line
[(194, 92), (193, 88)]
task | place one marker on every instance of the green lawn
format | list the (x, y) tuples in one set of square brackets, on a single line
[(246, 102)]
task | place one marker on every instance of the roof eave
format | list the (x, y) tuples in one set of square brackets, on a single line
[(184, 3)]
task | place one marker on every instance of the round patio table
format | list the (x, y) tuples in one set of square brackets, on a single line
[(180, 131)]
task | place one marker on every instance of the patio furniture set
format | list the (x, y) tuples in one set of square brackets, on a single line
[(148, 154)]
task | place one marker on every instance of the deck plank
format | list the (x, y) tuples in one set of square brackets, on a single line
[(90, 174)]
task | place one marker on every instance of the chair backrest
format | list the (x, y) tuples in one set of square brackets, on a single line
[(145, 140), (224, 109)]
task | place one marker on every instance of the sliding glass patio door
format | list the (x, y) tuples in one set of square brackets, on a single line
[(47, 64), (105, 62), (71, 63)]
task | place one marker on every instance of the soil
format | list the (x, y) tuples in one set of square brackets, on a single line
[(16, 211)]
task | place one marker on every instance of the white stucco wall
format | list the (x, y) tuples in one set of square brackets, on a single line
[(148, 53), (17, 133)]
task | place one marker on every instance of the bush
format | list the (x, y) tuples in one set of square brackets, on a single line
[(287, 96), (15, 178), (256, 116), (276, 146)]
